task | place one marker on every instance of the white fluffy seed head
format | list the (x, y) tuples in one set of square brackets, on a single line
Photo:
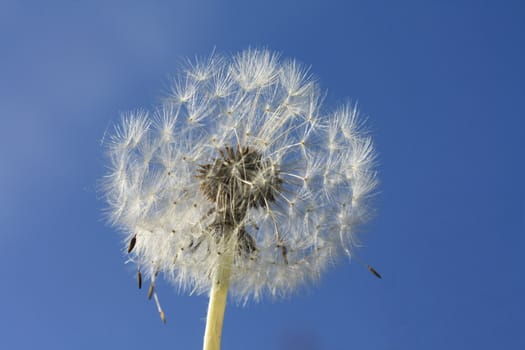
[(241, 143)]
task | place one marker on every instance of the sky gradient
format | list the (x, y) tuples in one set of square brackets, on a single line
[(442, 85)]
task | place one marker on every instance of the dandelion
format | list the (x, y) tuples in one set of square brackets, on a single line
[(240, 183)]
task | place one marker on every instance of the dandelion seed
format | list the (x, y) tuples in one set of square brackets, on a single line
[(241, 184), (151, 290), (371, 269), (162, 316), (132, 243)]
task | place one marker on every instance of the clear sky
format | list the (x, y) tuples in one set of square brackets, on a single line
[(443, 85)]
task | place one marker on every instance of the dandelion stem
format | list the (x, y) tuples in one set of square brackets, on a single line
[(217, 303)]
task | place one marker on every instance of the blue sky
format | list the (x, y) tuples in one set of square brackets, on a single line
[(442, 83)]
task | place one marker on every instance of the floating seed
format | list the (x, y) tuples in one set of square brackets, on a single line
[(371, 269)]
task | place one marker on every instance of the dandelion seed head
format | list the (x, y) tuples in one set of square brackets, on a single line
[(241, 150)]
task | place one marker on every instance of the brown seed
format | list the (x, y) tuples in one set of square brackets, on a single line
[(285, 254), (162, 316), (371, 269), (139, 278), (132, 244), (150, 291)]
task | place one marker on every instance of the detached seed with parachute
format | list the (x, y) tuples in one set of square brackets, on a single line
[(371, 269)]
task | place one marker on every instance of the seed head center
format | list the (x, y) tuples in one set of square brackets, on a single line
[(237, 180)]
